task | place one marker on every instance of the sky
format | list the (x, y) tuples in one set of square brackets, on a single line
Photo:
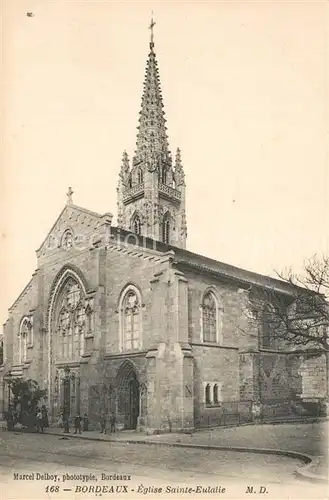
[(245, 88)]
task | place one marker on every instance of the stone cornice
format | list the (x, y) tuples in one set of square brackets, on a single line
[(142, 252), (216, 346), (126, 354), (70, 364)]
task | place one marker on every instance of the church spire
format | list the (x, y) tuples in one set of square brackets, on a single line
[(151, 193), (152, 148)]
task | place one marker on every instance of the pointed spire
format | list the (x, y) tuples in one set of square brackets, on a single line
[(153, 183), (152, 141), (125, 162), (179, 171)]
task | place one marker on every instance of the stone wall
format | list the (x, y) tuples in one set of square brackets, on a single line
[(136, 267), (218, 364), (236, 329), (174, 365), (313, 373)]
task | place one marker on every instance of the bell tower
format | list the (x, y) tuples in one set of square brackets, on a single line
[(151, 187)]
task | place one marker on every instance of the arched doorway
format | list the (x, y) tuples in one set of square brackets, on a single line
[(128, 395)]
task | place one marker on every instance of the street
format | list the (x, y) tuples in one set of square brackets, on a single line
[(153, 466), (144, 460)]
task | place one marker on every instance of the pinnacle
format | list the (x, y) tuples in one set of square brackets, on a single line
[(178, 160), (125, 161)]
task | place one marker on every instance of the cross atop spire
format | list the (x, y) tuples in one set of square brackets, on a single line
[(153, 23), (69, 196)]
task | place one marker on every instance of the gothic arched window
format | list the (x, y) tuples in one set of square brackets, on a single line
[(23, 339), (64, 320), (72, 320), (140, 176), (131, 323), (25, 336), (136, 225), (207, 394), (209, 318), (215, 394), (267, 324), (166, 229), (163, 174), (80, 329), (73, 295), (67, 239)]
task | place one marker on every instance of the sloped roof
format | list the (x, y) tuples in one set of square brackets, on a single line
[(185, 258)]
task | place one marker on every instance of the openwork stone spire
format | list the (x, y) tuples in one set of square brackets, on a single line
[(152, 146), (151, 193)]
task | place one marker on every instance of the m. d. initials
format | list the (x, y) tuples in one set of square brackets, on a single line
[(251, 489)]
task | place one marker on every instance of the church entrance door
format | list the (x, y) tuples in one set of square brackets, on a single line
[(133, 404), (128, 395)]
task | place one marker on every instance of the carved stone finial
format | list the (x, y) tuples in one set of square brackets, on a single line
[(125, 162), (178, 162)]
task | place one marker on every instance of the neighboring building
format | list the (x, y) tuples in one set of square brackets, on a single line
[(1, 349), (125, 319)]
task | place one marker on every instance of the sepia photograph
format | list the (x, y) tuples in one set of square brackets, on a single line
[(164, 249)]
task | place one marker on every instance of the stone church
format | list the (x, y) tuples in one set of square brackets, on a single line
[(125, 319)]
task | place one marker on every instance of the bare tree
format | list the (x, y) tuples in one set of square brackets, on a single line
[(299, 315)]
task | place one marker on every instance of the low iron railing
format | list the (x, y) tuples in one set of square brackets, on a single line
[(233, 413)]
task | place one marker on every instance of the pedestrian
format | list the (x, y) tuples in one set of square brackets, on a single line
[(85, 422), (39, 421), (256, 410), (112, 422), (15, 417), (45, 416), (60, 421), (66, 423), (77, 424), (103, 423), (10, 420)]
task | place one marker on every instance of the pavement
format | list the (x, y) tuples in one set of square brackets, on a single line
[(305, 441), (152, 466)]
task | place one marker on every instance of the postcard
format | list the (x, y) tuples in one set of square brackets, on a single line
[(164, 250)]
